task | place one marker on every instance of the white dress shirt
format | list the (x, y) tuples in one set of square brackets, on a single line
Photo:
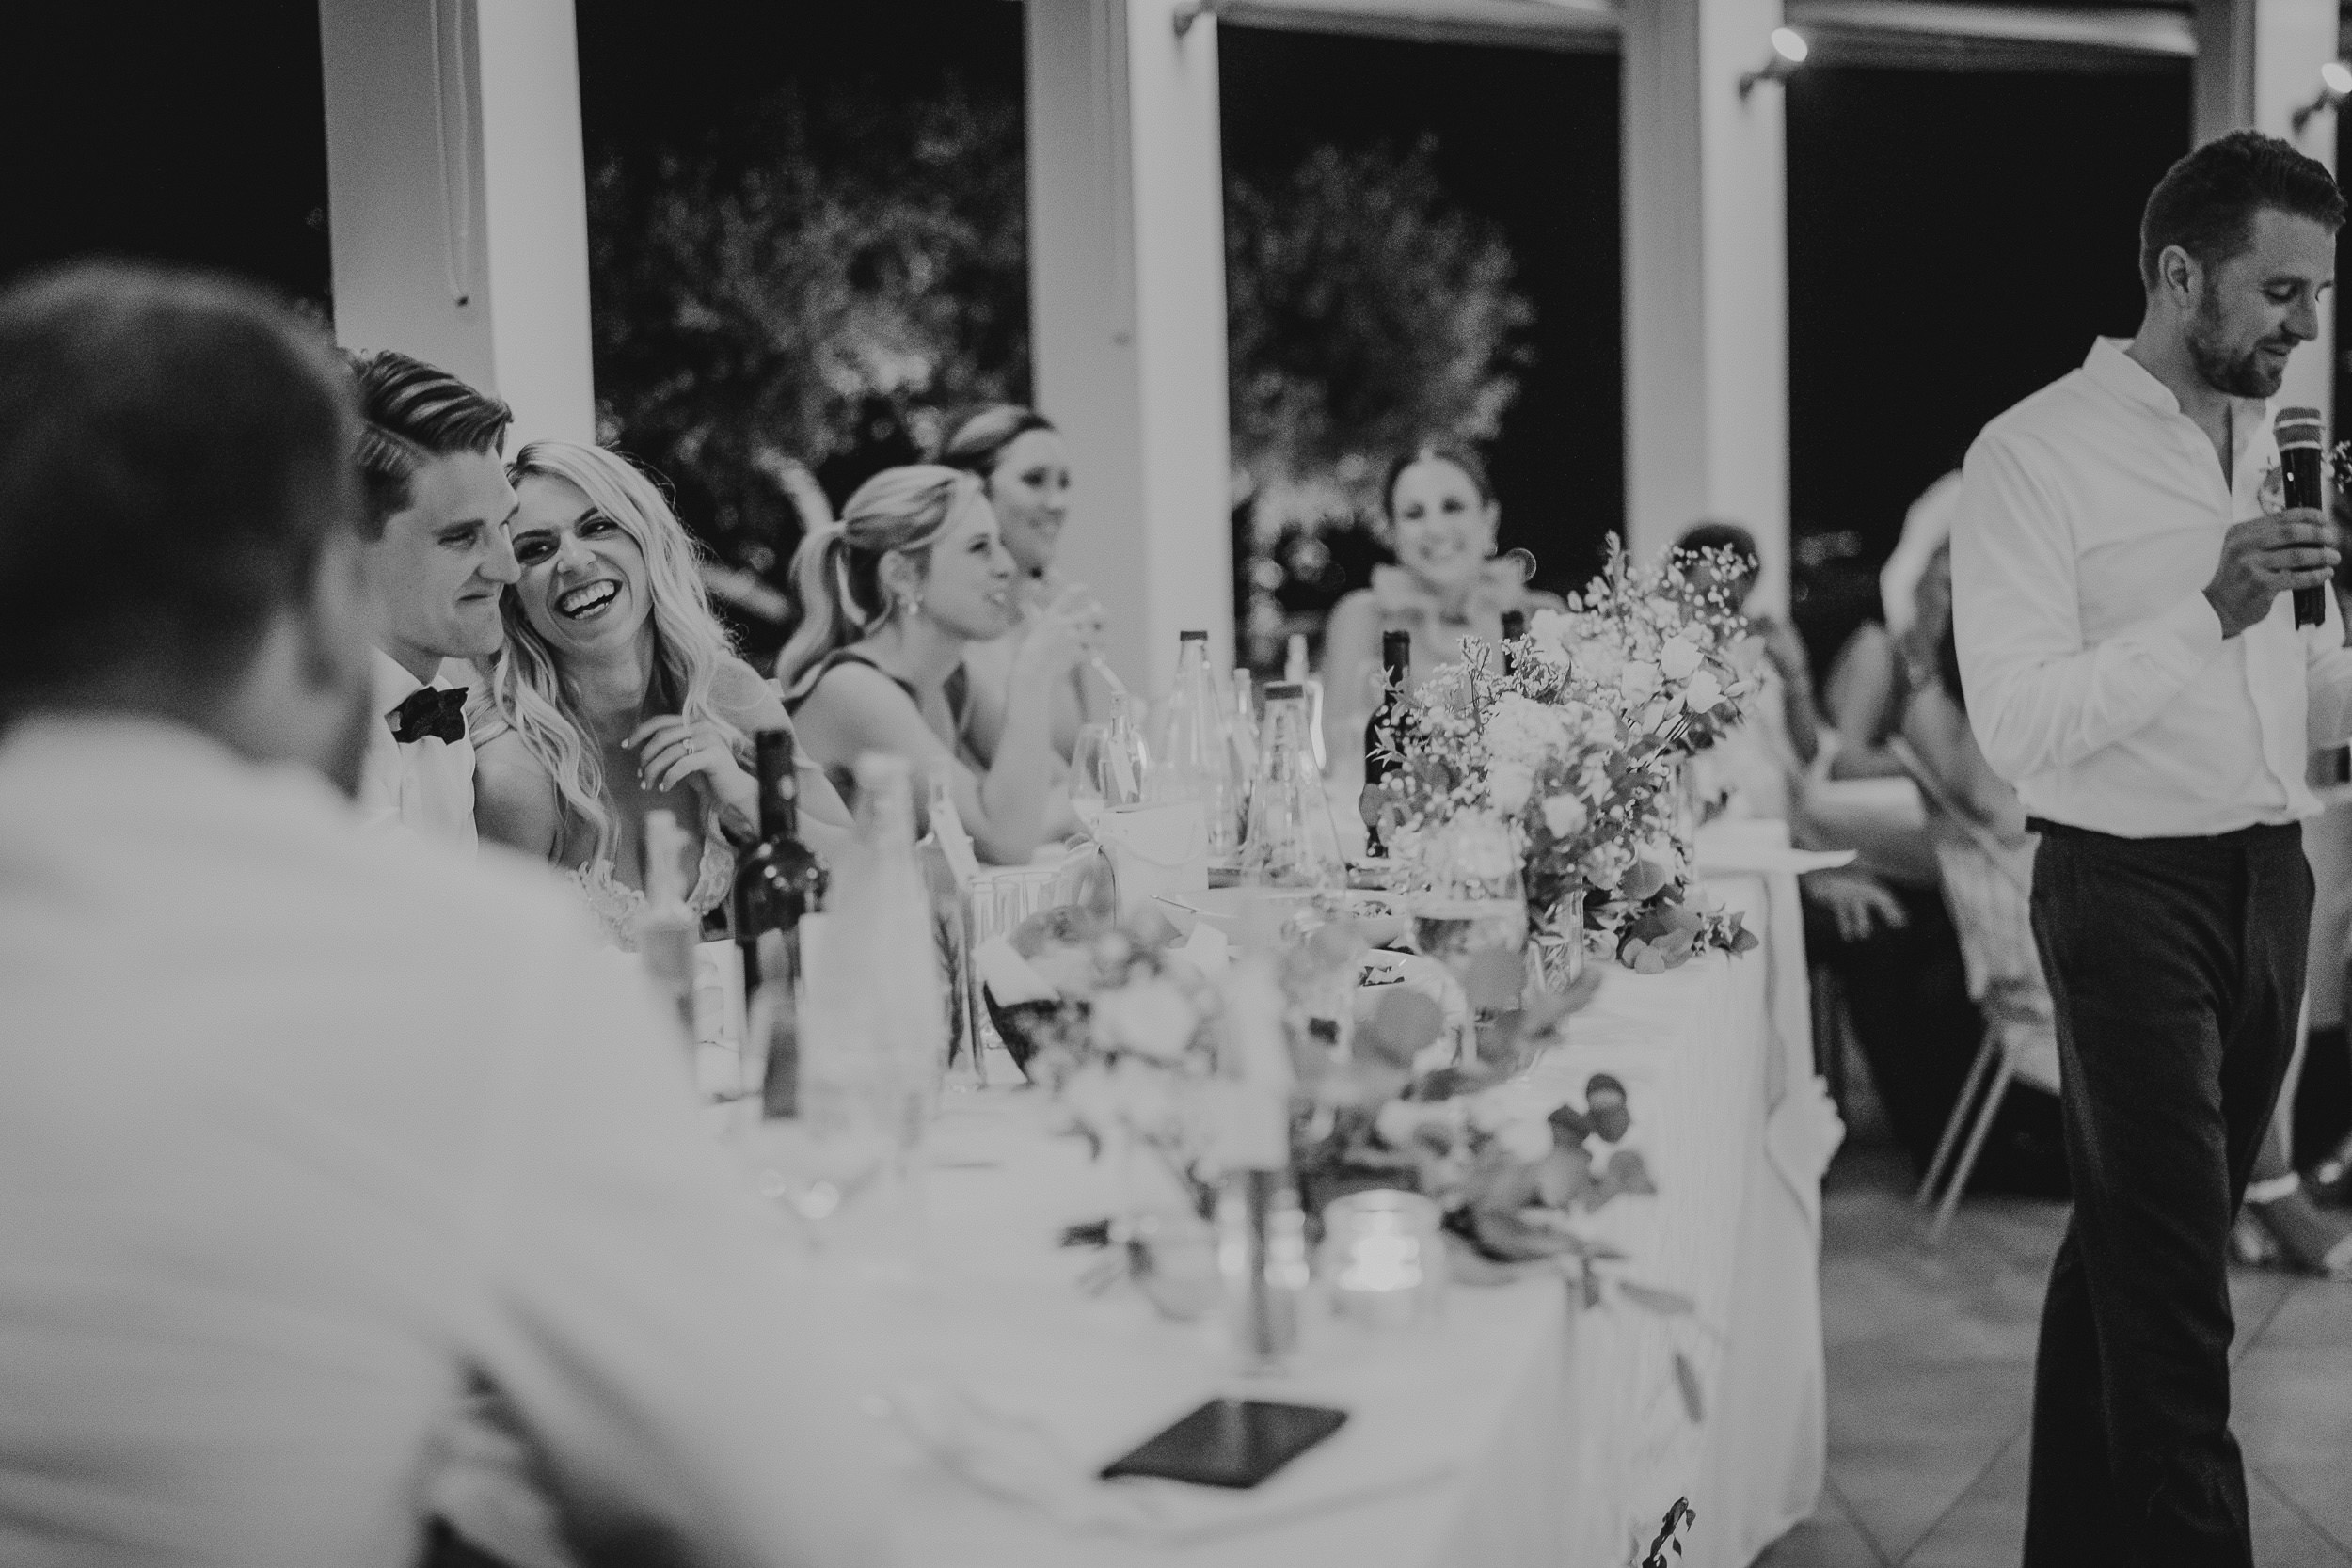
[(301, 1133), (2099, 683), (425, 786)]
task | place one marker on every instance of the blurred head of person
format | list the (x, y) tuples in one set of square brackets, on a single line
[(2235, 243), (1720, 556), (178, 512), (1442, 515), (438, 505), (607, 574), (1024, 464), (916, 551)]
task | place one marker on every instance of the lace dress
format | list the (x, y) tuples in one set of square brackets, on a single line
[(618, 907)]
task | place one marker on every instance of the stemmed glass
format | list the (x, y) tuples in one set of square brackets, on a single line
[(1106, 766), (1470, 911)]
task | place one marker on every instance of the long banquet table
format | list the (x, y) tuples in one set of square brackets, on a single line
[(1521, 1430)]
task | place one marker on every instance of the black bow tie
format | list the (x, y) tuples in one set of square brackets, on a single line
[(430, 712)]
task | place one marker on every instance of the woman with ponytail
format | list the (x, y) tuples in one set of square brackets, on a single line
[(1023, 462), (893, 596), (616, 693)]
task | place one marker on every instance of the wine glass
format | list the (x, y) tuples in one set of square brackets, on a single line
[(1469, 913), (1106, 766)]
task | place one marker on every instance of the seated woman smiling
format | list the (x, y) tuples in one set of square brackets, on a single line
[(616, 693), (892, 595)]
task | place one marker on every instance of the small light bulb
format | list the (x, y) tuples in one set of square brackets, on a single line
[(1789, 45), (2337, 77)]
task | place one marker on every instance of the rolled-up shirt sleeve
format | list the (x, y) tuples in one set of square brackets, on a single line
[(2038, 698)]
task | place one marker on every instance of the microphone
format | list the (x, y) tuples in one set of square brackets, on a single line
[(2302, 440)]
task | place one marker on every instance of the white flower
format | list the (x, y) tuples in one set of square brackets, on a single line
[(1565, 815), (1526, 1138), (1399, 1122), (1520, 729), (1677, 658), (1509, 783), (1606, 865), (1637, 680), (1152, 1018), (1596, 660), (1704, 691)]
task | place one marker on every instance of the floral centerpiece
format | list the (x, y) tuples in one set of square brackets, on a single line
[(1574, 733)]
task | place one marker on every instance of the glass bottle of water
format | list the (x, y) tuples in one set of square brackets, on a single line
[(882, 927), (1191, 751), (1292, 841)]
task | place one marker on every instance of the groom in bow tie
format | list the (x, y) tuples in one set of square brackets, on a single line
[(438, 509)]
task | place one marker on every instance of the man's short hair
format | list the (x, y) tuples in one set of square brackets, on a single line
[(175, 448), (2206, 202), (410, 413)]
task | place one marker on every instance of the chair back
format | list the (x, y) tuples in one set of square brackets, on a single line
[(1988, 887)]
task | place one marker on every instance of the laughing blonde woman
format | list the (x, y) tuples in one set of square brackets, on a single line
[(616, 693)]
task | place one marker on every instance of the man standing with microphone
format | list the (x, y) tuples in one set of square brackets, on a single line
[(2133, 665)]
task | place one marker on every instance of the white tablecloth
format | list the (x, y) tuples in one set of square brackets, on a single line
[(1710, 1055), (1519, 1432)]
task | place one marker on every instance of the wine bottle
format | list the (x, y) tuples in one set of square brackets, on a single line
[(779, 879), (667, 931), (1396, 663)]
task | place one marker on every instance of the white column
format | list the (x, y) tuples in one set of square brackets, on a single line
[(2257, 63), (1127, 313), (457, 205), (1706, 277)]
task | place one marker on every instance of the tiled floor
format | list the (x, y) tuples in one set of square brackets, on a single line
[(1931, 1372)]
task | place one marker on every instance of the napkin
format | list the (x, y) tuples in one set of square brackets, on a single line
[(1017, 1457)]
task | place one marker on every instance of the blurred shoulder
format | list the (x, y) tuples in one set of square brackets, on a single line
[(516, 801)]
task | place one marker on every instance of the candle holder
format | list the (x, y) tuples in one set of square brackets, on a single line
[(1384, 1257)]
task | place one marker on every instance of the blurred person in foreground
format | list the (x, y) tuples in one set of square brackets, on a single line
[(1023, 463), (433, 520), (892, 595), (2134, 669), (309, 1135), (617, 693)]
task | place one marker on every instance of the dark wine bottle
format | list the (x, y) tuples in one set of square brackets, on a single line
[(776, 881), (1396, 663)]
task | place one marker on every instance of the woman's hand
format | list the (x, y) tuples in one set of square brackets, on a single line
[(1060, 637), (671, 749), (1857, 904)]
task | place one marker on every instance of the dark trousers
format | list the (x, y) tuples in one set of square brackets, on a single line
[(2176, 966)]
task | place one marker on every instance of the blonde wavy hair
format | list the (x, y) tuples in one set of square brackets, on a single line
[(836, 573), (528, 691)]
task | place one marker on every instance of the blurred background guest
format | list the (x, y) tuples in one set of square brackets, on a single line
[(1447, 584), (893, 596), (361, 1129), (436, 505), (1753, 767), (1023, 462), (1884, 925), (616, 693)]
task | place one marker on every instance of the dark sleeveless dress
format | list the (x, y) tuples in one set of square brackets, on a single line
[(959, 706)]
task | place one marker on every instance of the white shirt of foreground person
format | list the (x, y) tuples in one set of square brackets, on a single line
[(2099, 683), (298, 1133), (425, 785)]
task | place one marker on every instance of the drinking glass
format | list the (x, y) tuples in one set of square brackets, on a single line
[(1471, 910), (1106, 767)]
